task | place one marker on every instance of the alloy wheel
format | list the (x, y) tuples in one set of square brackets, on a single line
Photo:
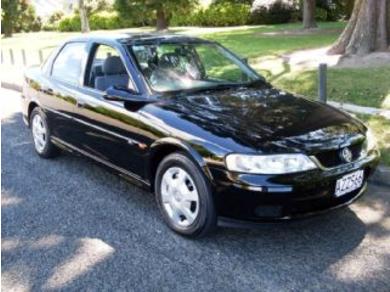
[(39, 132)]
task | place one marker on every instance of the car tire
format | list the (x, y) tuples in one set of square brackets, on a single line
[(42, 134), (184, 196)]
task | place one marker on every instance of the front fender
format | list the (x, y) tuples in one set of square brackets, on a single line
[(160, 147)]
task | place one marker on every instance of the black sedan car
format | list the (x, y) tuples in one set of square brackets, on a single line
[(190, 121)]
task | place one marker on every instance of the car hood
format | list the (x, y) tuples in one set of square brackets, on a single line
[(261, 119)]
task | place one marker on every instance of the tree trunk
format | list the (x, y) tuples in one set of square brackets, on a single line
[(9, 15), (8, 29), (367, 29), (309, 14), (83, 17), (382, 35), (162, 21)]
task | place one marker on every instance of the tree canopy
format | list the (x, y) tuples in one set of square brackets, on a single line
[(18, 15), (156, 11)]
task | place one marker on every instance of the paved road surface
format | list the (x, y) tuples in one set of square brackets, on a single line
[(70, 224)]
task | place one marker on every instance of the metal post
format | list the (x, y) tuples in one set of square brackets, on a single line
[(24, 57), (322, 80), (11, 55), (40, 57), (2, 57)]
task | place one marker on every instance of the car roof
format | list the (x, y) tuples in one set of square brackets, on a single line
[(139, 38)]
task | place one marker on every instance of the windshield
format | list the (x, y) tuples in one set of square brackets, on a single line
[(173, 67)]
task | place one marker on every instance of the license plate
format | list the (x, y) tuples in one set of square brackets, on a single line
[(349, 183)]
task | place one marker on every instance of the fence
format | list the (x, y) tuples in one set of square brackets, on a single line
[(14, 61), (23, 57)]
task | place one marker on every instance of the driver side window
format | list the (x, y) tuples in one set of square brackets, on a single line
[(107, 69)]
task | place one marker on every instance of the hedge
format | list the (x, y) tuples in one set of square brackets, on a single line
[(224, 14)]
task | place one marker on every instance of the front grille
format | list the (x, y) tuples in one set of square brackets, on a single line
[(332, 158)]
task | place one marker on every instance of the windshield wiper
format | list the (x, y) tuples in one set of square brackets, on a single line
[(213, 87), (260, 81)]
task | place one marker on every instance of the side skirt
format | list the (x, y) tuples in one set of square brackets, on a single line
[(133, 178)]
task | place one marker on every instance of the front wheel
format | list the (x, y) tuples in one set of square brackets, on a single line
[(184, 196)]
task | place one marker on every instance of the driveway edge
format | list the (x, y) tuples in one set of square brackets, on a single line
[(381, 176), (11, 86)]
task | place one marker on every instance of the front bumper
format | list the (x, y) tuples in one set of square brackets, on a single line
[(246, 199)]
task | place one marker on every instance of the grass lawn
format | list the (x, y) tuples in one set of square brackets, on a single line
[(268, 39), (381, 129), (365, 86)]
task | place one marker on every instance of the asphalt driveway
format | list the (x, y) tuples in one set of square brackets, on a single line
[(70, 224)]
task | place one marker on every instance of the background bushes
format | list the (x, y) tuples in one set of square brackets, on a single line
[(105, 20), (273, 12), (97, 21), (70, 23), (220, 14)]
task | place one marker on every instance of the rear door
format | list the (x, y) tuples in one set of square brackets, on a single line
[(59, 89)]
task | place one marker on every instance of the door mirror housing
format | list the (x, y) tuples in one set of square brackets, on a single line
[(131, 99), (116, 93)]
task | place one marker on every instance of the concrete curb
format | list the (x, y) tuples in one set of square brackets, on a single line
[(11, 86), (360, 109), (381, 176)]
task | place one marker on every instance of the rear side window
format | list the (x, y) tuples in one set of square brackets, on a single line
[(67, 66)]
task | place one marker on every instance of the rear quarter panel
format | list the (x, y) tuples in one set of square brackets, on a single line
[(32, 85)]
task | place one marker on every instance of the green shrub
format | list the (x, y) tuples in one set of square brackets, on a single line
[(223, 14), (321, 14), (97, 21), (273, 11), (336, 9), (105, 20), (52, 22), (49, 27), (70, 23)]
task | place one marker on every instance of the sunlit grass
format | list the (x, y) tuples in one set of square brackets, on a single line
[(255, 42), (381, 129), (365, 86), (386, 101)]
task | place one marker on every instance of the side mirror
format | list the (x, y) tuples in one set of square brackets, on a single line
[(131, 99), (116, 93), (245, 60)]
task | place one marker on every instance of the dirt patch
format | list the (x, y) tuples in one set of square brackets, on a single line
[(303, 60), (300, 32), (310, 59)]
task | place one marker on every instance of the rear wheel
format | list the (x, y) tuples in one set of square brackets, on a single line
[(184, 196), (41, 134)]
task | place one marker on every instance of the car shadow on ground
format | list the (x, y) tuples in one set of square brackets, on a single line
[(69, 223)]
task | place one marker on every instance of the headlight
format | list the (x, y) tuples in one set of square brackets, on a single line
[(269, 164), (370, 143), (371, 140)]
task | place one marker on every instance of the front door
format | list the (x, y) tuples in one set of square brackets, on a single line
[(107, 131)]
